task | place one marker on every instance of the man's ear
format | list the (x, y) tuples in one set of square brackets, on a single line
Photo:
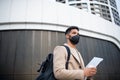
[(67, 36)]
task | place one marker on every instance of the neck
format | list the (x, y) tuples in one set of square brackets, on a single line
[(71, 45)]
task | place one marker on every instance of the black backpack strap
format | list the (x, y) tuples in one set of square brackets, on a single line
[(68, 57)]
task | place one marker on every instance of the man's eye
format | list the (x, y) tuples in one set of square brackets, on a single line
[(74, 33)]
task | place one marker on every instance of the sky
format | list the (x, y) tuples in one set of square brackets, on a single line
[(118, 5)]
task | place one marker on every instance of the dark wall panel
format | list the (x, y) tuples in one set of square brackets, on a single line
[(109, 68), (21, 53)]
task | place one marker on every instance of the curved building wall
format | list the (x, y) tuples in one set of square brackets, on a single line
[(30, 29), (22, 51)]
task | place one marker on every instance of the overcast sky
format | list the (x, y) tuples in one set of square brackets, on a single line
[(118, 5)]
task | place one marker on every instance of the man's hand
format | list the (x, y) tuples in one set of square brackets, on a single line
[(90, 71)]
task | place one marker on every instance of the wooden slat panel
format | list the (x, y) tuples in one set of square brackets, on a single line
[(22, 51)]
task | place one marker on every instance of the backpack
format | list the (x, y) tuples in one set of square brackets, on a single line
[(46, 69)]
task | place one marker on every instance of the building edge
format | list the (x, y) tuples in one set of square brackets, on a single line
[(57, 27)]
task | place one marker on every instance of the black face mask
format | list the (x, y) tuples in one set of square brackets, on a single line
[(74, 39)]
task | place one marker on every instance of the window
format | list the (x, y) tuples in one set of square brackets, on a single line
[(84, 4), (97, 14), (102, 6), (72, 4), (96, 5), (104, 15), (108, 11), (91, 4), (109, 16), (71, 0), (78, 4), (85, 9), (97, 10), (93, 12), (103, 10), (92, 9), (62, 1)]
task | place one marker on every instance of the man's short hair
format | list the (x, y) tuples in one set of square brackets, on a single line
[(70, 28)]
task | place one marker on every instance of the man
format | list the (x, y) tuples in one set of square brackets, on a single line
[(76, 69)]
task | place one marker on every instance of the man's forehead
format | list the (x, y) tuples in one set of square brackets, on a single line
[(74, 30)]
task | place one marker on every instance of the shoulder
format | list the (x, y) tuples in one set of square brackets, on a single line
[(59, 53), (59, 48)]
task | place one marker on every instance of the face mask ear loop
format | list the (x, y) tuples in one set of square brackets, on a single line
[(79, 35)]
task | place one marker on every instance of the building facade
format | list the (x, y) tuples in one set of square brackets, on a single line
[(30, 29), (106, 9)]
